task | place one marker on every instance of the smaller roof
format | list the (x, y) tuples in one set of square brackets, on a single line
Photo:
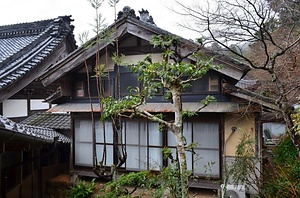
[(49, 120), (10, 130), (27, 50)]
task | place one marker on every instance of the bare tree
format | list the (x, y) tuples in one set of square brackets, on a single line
[(262, 23)]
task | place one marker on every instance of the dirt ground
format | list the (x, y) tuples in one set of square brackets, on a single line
[(56, 188)]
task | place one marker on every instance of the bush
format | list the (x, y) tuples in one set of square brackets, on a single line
[(161, 184), (82, 190), (284, 171), (119, 187), (285, 152)]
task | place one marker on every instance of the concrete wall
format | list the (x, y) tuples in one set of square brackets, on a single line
[(235, 126)]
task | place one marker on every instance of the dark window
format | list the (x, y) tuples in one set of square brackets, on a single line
[(213, 83), (79, 89), (106, 87), (128, 81), (203, 85)]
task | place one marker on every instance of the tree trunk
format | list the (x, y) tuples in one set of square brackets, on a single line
[(177, 129)]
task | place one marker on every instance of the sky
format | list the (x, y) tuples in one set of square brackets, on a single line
[(21, 11)]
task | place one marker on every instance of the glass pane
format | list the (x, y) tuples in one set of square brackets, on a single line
[(83, 154), (200, 85), (129, 81), (174, 154), (83, 130), (189, 158), (143, 158), (109, 132), (143, 133), (171, 139), (187, 132), (155, 158), (206, 162), (132, 133), (206, 135), (100, 134), (79, 89), (155, 136), (109, 154), (213, 83), (132, 161)]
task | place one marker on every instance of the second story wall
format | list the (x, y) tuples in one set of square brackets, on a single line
[(210, 84)]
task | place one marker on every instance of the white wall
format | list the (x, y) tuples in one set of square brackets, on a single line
[(14, 108), (18, 107), (38, 104)]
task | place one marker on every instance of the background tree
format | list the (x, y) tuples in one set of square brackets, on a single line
[(102, 35), (173, 75), (271, 28)]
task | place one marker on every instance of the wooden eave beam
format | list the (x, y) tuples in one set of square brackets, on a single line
[(250, 96)]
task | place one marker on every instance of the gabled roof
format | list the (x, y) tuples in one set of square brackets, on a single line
[(134, 26), (49, 120), (28, 49)]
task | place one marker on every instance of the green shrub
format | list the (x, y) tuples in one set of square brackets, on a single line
[(82, 190), (284, 171), (285, 152), (160, 184), (119, 187)]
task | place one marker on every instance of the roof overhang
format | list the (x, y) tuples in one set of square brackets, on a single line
[(214, 107), (8, 136), (250, 96), (11, 131)]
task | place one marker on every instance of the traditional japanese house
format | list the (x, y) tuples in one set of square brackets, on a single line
[(216, 129)]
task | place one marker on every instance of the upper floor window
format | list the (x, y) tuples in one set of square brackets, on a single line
[(108, 87), (129, 81), (203, 85), (79, 89), (104, 88), (213, 83)]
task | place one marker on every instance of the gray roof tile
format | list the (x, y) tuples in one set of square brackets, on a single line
[(49, 120), (35, 131), (24, 46)]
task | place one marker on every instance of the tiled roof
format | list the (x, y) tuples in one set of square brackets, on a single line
[(42, 133), (49, 120), (25, 46)]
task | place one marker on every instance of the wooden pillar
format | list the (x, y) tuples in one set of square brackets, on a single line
[(1, 108), (2, 177), (29, 92)]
